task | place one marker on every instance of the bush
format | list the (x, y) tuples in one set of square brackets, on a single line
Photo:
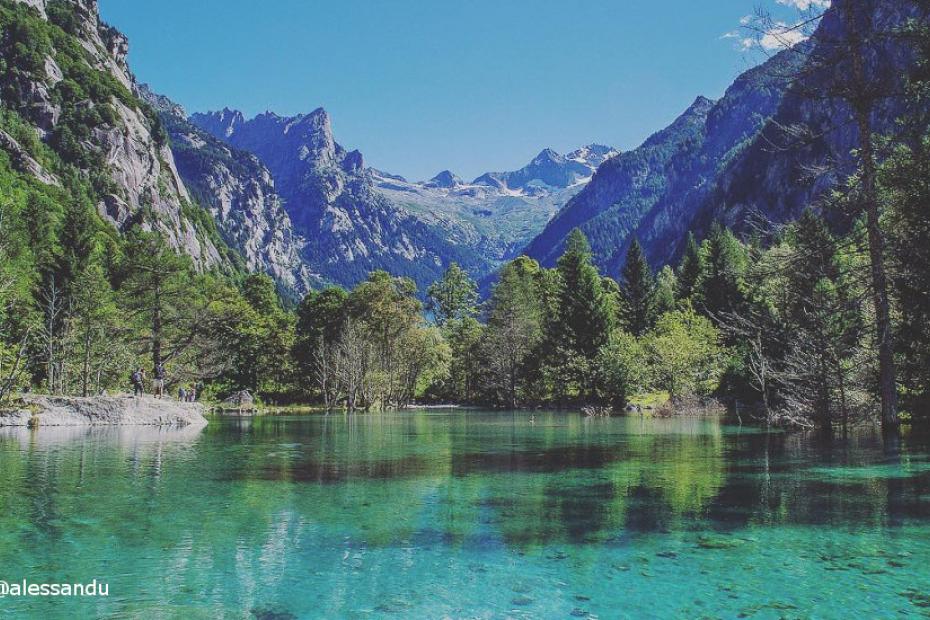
[(685, 353)]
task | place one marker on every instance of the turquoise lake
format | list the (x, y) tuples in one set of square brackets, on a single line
[(465, 514)]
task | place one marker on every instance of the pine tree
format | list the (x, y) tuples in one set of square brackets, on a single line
[(98, 338), (638, 289), (689, 271), (723, 264), (906, 184), (584, 307), (825, 323), (514, 330), (666, 291), (158, 291), (584, 318)]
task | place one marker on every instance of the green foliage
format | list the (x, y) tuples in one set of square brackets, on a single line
[(464, 337), (666, 292), (514, 331), (685, 354), (454, 297), (689, 271), (579, 318), (623, 368), (258, 337), (905, 184), (584, 307), (95, 332)]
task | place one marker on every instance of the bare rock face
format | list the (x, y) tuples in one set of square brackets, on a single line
[(104, 411), (240, 194), (350, 229)]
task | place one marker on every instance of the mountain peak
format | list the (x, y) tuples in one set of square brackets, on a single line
[(593, 154), (547, 155), (221, 124), (159, 102), (702, 103), (445, 179)]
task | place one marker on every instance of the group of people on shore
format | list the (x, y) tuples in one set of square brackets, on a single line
[(186, 394)]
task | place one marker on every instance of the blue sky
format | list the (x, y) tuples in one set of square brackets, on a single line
[(419, 86)]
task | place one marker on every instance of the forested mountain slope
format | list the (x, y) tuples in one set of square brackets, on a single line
[(672, 169), (72, 123), (739, 160)]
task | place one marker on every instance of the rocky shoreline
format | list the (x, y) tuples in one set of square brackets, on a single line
[(124, 410)]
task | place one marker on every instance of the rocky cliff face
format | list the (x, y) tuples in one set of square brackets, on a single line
[(239, 192), (69, 79), (350, 228)]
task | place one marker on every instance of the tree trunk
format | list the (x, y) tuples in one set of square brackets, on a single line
[(156, 329), (862, 107), (85, 366)]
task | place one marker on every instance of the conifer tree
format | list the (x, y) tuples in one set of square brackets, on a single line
[(583, 304), (723, 264), (158, 292), (638, 288), (514, 330)]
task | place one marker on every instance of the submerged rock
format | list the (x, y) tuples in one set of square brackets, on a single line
[(103, 411), (260, 613)]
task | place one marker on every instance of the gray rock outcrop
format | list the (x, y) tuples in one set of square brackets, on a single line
[(350, 228), (240, 194), (103, 411)]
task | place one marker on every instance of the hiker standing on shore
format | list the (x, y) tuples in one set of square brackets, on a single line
[(158, 385), (136, 379)]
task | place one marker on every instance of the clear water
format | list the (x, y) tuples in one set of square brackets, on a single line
[(465, 515)]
